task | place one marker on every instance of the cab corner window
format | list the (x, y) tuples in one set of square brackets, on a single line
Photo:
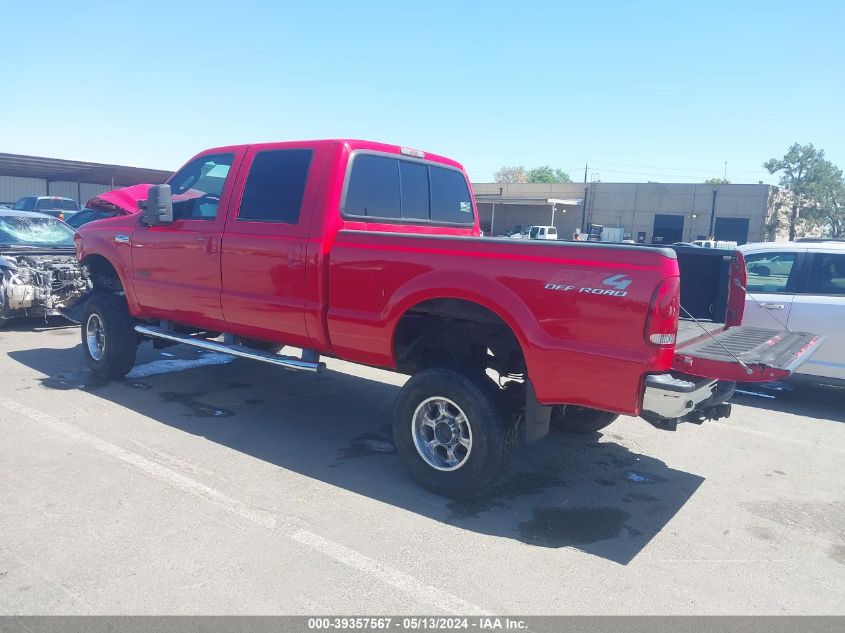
[(827, 275), (197, 187), (275, 186), (769, 272), (450, 199)]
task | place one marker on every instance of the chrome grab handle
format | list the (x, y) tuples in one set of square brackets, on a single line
[(772, 306)]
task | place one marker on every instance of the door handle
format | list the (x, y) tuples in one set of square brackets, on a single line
[(200, 238), (772, 306)]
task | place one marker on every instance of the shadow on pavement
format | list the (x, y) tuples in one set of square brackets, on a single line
[(807, 400), (586, 492)]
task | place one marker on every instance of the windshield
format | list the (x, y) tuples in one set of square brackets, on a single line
[(34, 231)]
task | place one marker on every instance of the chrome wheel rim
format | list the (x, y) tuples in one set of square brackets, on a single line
[(442, 434), (95, 337)]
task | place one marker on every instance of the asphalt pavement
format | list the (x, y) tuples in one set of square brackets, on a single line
[(206, 485)]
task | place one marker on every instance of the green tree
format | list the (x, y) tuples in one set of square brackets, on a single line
[(800, 172), (717, 181), (511, 174), (544, 173), (830, 198)]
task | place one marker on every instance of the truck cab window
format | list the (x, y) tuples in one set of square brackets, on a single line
[(374, 187), (197, 187), (386, 187), (275, 186), (450, 199)]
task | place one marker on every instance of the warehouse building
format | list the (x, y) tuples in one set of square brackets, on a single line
[(38, 176), (648, 213)]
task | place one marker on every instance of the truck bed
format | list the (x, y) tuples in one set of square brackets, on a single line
[(689, 330)]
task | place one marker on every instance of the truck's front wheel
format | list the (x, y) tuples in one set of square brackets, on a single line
[(574, 419), (108, 337), (452, 432)]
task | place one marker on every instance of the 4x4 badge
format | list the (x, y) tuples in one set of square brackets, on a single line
[(620, 282)]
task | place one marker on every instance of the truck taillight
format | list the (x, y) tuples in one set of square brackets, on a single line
[(736, 291), (663, 311)]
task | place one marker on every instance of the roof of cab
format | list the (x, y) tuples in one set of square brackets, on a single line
[(351, 145)]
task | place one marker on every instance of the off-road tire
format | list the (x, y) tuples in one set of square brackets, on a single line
[(120, 341), (574, 419), (493, 431)]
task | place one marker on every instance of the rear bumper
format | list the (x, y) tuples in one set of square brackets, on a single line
[(672, 398)]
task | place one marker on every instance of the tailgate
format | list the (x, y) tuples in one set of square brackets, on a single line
[(746, 354)]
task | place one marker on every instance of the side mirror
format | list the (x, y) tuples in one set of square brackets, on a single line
[(158, 207)]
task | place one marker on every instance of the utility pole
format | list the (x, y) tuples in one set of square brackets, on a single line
[(725, 177), (584, 204), (712, 235)]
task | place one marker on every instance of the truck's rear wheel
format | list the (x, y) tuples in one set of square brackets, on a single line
[(575, 419), (108, 337), (452, 432)]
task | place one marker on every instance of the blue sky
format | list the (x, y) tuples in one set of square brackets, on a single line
[(664, 91)]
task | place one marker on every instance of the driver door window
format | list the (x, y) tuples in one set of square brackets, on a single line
[(196, 189)]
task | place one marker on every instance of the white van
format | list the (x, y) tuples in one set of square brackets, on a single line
[(801, 286), (714, 244), (542, 233)]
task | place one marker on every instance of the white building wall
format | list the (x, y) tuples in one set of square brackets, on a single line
[(14, 187), (63, 189), (88, 191)]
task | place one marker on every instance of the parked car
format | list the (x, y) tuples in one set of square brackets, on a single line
[(56, 206), (371, 253), (801, 285), (38, 271), (542, 233)]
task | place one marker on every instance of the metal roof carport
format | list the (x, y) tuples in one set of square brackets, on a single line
[(56, 169), (552, 203)]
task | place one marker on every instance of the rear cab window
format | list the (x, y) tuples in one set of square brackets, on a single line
[(402, 190)]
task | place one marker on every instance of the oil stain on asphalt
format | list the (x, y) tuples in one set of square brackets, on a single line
[(77, 379), (521, 484), (196, 408), (366, 445), (559, 527)]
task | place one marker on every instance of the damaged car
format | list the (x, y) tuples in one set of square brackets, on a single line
[(39, 274)]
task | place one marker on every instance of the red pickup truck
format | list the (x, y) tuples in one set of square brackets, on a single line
[(372, 253)]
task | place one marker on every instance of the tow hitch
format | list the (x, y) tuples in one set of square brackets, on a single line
[(670, 399)]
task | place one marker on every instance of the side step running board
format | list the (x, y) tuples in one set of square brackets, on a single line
[(234, 350)]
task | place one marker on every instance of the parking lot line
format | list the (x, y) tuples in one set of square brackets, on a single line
[(420, 590), (789, 440), (425, 592)]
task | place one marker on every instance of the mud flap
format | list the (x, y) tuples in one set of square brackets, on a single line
[(537, 416)]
